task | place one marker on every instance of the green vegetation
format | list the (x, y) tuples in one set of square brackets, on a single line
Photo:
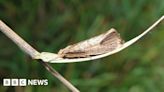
[(50, 25)]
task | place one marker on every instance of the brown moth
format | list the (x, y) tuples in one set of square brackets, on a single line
[(97, 45)]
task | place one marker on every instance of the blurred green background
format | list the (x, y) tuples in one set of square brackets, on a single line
[(50, 25)]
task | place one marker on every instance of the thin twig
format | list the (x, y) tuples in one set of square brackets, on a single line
[(33, 53), (57, 75), (125, 45), (18, 40)]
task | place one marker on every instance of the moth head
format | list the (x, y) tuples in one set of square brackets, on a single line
[(63, 51)]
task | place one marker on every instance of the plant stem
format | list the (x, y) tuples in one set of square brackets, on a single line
[(18, 40), (57, 75), (28, 49)]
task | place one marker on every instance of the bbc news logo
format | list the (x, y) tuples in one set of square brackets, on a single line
[(24, 82)]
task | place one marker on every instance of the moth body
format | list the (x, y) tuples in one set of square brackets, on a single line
[(100, 44)]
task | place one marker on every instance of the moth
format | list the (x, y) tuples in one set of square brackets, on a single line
[(97, 45)]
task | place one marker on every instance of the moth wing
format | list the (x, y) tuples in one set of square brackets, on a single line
[(97, 45), (112, 37)]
